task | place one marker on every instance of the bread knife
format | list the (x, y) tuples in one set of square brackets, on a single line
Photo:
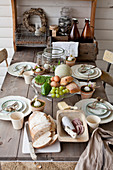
[(32, 150)]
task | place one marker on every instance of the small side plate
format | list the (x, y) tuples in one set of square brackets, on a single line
[(10, 102), (99, 111)]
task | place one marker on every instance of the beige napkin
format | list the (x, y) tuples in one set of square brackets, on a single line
[(97, 155)]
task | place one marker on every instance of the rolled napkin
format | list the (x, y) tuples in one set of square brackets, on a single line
[(68, 46)]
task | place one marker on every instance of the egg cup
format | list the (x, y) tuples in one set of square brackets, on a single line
[(86, 94), (39, 108), (40, 72), (71, 63)]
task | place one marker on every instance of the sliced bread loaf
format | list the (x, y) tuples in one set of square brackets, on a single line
[(39, 123), (42, 129), (43, 140)]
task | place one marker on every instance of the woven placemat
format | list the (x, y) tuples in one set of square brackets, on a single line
[(34, 166)]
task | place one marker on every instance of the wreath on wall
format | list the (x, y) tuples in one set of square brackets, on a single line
[(31, 12)]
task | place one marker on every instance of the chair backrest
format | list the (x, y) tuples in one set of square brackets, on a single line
[(3, 56), (108, 56)]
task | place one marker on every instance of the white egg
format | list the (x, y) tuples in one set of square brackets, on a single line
[(87, 88), (46, 66), (37, 103), (69, 58), (38, 70)]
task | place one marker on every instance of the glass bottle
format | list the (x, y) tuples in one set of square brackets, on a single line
[(74, 34), (86, 36)]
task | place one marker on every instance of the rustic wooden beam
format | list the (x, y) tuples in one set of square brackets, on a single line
[(92, 18), (14, 15)]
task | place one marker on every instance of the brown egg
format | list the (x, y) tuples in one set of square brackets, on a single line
[(57, 78), (55, 84), (52, 78)]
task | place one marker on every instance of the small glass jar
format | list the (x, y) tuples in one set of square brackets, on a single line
[(64, 21), (39, 58), (53, 57)]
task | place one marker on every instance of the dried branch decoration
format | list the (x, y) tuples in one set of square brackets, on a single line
[(31, 12)]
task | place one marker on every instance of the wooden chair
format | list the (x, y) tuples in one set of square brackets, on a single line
[(3, 56), (106, 78)]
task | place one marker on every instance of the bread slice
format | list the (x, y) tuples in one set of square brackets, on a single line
[(53, 124), (36, 118), (38, 131), (39, 123), (73, 87), (43, 140), (54, 138), (65, 80)]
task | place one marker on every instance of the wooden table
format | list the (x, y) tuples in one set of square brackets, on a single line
[(11, 149)]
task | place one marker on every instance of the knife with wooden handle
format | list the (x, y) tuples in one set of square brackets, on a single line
[(32, 151)]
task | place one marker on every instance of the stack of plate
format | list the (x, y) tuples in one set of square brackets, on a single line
[(23, 105), (105, 115), (16, 68), (91, 73)]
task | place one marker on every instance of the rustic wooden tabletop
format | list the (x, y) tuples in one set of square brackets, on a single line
[(11, 140)]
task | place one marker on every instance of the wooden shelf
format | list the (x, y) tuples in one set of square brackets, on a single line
[(14, 15)]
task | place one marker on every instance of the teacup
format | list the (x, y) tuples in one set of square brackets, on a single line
[(28, 76), (93, 121), (17, 119)]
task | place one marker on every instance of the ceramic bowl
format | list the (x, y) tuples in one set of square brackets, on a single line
[(86, 94), (38, 108), (40, 72), (71, 63)]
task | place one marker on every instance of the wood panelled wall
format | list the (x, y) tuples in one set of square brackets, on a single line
[(79, 9)]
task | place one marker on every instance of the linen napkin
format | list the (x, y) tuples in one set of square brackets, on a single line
[(70, 47), (97, 155)]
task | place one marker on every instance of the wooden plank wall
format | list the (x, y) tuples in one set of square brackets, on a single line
[(79, 9)]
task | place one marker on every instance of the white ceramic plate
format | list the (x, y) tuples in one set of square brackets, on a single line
[(20, 66), (11, 68), (27, 108), (84, 75), (101, 116), (82, 105), (76, 74), (75, 69), (88, 72), (99, 111), (21, 105)]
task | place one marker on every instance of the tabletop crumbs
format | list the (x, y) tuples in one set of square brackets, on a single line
[(37, 165), (1, 143), (9, 139)]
